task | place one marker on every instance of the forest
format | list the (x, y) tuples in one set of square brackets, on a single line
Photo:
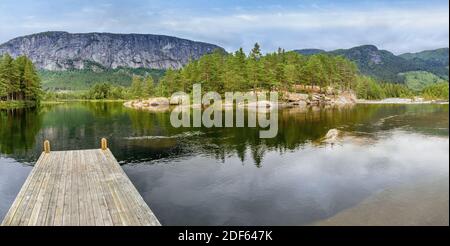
[(219, 71), (19, 82), (280, 71)]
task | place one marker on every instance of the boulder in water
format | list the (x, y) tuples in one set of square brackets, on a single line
[(332, 136)]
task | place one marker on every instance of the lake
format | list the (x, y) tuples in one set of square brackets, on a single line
[(229, 176)]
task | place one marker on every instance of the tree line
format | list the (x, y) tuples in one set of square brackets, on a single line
[(238, 71), (280, 70), (19, 80)]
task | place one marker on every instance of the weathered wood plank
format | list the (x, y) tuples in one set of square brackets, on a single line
[(144, 214), (33, 192), (88, 202), (86, 187), (55, 183), (106, 180), (13, 213), (66, 220), (73, 191), (120, 197), (59, 210), (99, 194)]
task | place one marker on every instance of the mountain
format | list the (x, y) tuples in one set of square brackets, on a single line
[(435, 61), (381, 64), (308, 52), (438, 56), (385, 66), (59, 51)]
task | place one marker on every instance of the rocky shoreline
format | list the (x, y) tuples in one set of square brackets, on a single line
[(416, 100), (287, 100)]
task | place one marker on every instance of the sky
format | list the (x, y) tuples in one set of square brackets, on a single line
[(398, 26)]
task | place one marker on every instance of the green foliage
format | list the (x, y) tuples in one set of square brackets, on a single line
[(396, 90), (436, 91), (274, 71), (434, 61), (418, 80), (369, 88), (137, 86), (18, 79), (140, 87), (86, 78), (385, 66), (437, 55)]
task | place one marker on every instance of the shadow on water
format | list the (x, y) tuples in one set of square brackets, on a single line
[(215, 176), (18, 130), (136, 136)]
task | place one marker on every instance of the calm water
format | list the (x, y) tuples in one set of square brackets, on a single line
[(228, 176)]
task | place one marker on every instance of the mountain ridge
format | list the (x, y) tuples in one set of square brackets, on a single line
[(59, 50), (386, 66)]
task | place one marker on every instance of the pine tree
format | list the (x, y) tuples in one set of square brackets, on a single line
[(256, 52), (31, 82), (136, 86), (149, 86), (9, 75)]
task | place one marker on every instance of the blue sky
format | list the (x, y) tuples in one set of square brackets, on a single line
[(399, 26)]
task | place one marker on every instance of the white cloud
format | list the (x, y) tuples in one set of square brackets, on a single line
[(398, 30), (395, 29)]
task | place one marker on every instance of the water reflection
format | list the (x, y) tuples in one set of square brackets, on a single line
[(215, 176), (137, 136), (18, 130)]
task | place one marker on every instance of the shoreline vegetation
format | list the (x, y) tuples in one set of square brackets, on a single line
[(301, 80), (20, 85), (278, 71)]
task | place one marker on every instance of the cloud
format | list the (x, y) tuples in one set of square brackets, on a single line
[(398, 28)]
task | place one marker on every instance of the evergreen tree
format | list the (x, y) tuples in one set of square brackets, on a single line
[(255, 54), (149, 86), (136, 86), (9, 75)]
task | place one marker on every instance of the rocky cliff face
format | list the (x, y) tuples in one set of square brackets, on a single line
[(62, 50)]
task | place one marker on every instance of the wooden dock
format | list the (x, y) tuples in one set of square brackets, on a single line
[(79, 188)]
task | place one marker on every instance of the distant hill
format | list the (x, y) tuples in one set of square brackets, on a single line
[(435, 61), (59, 51), (83, 79), (310, 51), (418, 80), (438, 56), (384, 65)]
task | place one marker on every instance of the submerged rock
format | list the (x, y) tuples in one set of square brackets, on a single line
[(332, 136)]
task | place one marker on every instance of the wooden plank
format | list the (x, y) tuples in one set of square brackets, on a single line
[(85, 187), (20, 199), (41, 207), (49, 196), (66, 220), (86, 198), (33, 192), (59, 210), (143, 214), (98, 194), (116, 212), (82, 199), (50, 205), (73, 191), (119, 195)]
